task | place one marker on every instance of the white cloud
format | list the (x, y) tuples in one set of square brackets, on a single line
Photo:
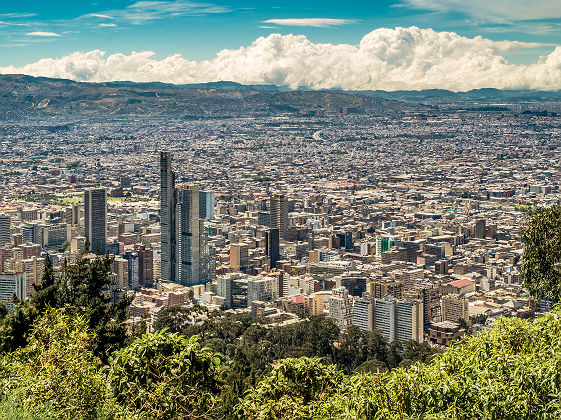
[(315, 22), (143, 11), (39, 33), (389, 59), (99, 15), (500, 11), (107, 25)]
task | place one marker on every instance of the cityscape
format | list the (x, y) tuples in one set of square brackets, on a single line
[(407, 221), (300, 210)]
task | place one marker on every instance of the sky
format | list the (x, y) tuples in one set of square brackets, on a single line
[(367, 44)]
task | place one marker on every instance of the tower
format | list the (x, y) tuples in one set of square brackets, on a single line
[(206, 204), (5, 222), (95, 219), (279, 214), (168, 200), (272, 246), (188, 235)]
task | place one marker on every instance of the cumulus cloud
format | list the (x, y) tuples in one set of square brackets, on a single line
[(39, 33), (315, 22), (388, 59)]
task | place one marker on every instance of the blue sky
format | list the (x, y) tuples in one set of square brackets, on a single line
[(30, 30)]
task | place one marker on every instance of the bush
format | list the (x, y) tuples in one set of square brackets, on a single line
[(165, 375), (290, 389), (56, 374)]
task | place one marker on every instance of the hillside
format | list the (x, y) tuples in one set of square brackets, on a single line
[(26, 96)]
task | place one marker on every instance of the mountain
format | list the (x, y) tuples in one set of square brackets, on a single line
[(25, 96)]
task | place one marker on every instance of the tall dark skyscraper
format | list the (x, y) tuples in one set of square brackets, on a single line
[(279, 214), (272, 246), (188, 235), (168, 199), (95, 219)]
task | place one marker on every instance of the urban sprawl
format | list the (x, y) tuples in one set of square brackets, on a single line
[(409, 224)]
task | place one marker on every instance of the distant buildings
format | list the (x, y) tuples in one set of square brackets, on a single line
[(95, 219)]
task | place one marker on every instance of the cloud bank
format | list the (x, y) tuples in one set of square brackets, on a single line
[(388, 59)]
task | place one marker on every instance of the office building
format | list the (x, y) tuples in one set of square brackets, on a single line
[(454, 307), (5, 232), (363, 312), (168, 198), (207, 255), (272, 246), (188, 235), (239, 259), (10, 285), (279, 214), (95, 219), (206, 204), (399, 319), (340, 307), (145, 266)]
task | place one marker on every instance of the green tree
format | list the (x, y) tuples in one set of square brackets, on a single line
[(290, 388), (56, 372), (165, 375), (541, 261)]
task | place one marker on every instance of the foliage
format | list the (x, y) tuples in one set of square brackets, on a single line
[(289, 388), (510, 372), (79, 288), (165, 375), (541, 261), (56, 372)]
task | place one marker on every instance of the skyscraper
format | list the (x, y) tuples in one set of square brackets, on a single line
[(168, 200), (279, 214), (5, 222), (206, 204), (95, 219), (272, 246), (188, 235)]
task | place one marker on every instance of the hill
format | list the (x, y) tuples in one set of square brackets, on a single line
[(25, 96)]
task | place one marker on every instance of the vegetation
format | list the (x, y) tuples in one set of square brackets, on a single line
[(541, 261)]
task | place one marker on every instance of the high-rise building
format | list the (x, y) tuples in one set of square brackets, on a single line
[(188, 235), (207, 255), (10, 285), (5, 223), (206, 204), (340, 307), (279, 214), (95, 219), (363, 312), (454, 307), (480, 228), (133, 269), (272, 246), (168, 198), (399, 319), (145, 266), (239, 258)]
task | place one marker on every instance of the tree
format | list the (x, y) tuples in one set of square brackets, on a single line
[(165, 375), (56, 371), (541, 261), (289, 389)]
